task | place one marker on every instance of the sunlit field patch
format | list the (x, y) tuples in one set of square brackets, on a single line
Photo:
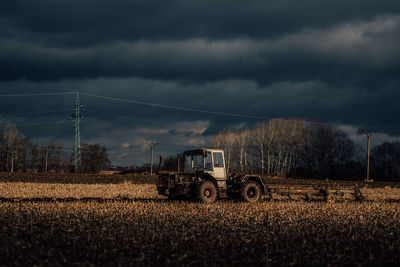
[(54, 190)]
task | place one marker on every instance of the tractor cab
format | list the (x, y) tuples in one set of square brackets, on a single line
[(209, 161)]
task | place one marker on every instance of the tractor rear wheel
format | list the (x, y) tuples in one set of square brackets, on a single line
[(250, 192), (206, 192)]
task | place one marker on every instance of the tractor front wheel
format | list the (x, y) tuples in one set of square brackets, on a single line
[(206, 192)]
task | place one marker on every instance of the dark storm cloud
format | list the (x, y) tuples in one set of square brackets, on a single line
[(82, 22), (345, 53), (326, 61)]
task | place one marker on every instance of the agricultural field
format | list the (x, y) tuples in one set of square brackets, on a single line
[(123, 222)]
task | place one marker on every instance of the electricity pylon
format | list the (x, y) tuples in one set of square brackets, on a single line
[(76, 117)]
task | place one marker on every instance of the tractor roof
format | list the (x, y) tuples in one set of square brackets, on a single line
[(201, 151)]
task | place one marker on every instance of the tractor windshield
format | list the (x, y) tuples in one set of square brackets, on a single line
[(193, 163)]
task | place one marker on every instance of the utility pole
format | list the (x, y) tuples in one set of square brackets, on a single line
[(368, 133), (152, 146), (12, 161), (47, 157), (76, 117)]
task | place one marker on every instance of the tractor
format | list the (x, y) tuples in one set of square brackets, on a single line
[(202, 176)]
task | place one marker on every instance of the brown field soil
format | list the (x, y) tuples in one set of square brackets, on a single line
[(127, 224)]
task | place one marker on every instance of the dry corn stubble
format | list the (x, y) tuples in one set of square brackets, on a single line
[(131, 190), (49, 228), (53, 190)]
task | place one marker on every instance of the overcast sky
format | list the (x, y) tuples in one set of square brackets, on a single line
[(329, 61)]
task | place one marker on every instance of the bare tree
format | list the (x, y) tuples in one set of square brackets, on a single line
[(21, 154), (243, 139), (260, 137), (216, 141), (325, 149), (170, 163), (282, 146), (94, 158), (385, 160), (295, 135), (35, 154), (9, 135), (58, 158), (283, 143)]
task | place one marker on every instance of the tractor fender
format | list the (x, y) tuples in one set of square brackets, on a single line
[(208, 177), (255, 178)]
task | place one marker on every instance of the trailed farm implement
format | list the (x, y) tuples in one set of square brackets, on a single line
[(202, 176)]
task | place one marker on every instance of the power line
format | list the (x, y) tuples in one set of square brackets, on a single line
[(129, 116), (41, 123), (38, 112), (232, 115), (132, 101), (171, 107), (176, 107), (38, 94)]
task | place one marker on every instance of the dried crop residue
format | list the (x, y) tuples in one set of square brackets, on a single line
[(53, 190), (137, 231), (381, 194)]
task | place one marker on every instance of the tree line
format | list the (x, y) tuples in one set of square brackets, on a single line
[(284, 148), (19, 154), (292, 148)]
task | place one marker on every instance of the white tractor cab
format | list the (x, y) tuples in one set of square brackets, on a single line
[(202, 175), (211, 161)]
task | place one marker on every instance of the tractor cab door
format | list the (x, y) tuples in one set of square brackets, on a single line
[(214, 165)]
